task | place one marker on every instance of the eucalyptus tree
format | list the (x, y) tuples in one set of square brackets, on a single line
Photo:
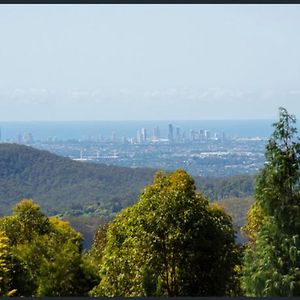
[(171, 242)]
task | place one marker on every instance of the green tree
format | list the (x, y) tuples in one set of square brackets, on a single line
[(5, 267), (272, 260), (26, 222), (45, 253), (254, 222), (99, 243), (171, 242)]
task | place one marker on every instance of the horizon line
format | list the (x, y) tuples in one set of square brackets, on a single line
[(147, 120)]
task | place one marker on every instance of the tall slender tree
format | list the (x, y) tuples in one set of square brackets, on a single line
[(272, 261)]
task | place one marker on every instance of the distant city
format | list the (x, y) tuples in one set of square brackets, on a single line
[(201, 152), (143, 136)]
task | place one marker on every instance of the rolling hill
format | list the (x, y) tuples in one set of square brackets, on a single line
[(82, 192), (59, 184)]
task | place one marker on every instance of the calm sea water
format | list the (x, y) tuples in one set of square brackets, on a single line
[(82, 130)]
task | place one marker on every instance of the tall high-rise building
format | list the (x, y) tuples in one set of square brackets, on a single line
[(113, 137), (170, 134), (144, 134), (27, 138), (192, 135), (0, 134), (224, 136), (201, 135), (178, 136), (207, 134), (156, 133), (138, 137)]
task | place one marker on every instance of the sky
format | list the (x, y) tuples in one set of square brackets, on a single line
[(148, 62)]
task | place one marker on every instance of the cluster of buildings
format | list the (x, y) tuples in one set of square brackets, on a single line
[(174, 135), (25, 138)]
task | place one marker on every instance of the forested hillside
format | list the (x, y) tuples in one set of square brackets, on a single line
[(82, 192), (59, 184), (217, 188)]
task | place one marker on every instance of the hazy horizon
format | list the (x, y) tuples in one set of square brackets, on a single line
[(148, 62), (137, 120)]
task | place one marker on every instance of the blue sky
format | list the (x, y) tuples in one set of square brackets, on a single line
[(145, 62)]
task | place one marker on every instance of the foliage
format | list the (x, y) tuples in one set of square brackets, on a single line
[(255, 221), (85, 194), (171, 242), (26, 222), (99, 243), (237, 208), (217, 188), (46, 254), (272, 260), (61, 185), (87, 225), (5, 266)]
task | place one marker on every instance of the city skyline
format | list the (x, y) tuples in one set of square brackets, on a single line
[(143, 136)]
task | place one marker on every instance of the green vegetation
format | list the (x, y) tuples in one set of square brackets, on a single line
[(272, 259), (41, 256), (59, 184), (70, 188), (226, 187), (88, 195), (237, 208), (171, 242)]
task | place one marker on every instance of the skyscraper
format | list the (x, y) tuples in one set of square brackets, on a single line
[(138, 137), (207, 134), (113, 137), (170, 134), (201, 135), (192, 135), (27, 138), (144, 134), (224, 136), (178, 136), (156, 133)]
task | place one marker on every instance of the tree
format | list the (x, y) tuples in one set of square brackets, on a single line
[(171, 242), (254, 222), (272, 260), (5, 267), (99, 243), (45, 253), (26, 222)]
